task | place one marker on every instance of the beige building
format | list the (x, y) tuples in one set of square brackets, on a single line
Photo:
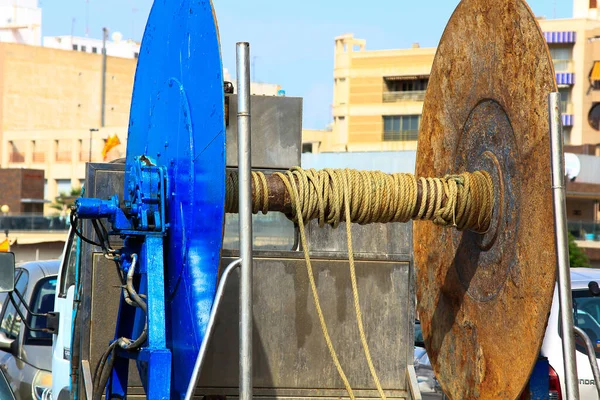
[(378, 94), (50, 107)]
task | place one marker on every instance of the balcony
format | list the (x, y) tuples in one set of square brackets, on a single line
[(33, 222), (415, 95), (584, 230), (400, 136), (563, 65), (38, 157), (63, 156), (566, 107), (16, 157)]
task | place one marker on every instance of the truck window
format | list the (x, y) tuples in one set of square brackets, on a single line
[(42, 302), (69, 267), (11, 322)]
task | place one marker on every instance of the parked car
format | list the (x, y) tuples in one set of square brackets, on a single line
[(26, 354), (586, 315)]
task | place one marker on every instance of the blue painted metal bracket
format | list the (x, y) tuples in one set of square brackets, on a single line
[(141, 220)]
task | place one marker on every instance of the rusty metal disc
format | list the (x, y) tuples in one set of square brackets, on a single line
[(484, 299)]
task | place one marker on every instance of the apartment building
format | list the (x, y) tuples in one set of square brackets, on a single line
[(378, 94)]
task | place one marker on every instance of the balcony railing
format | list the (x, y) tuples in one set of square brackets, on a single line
[(16, 157), (400, 136), (38, 157), (566, 107), (63, 156), (584, 230), (415, 95), (33, 222), (563, 65)]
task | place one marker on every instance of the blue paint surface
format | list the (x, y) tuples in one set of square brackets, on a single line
[(177, 121)]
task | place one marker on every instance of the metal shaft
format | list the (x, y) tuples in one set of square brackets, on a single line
[(245, 201), (562, 246)]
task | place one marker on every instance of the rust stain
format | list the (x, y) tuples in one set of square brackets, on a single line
[(484, 300)]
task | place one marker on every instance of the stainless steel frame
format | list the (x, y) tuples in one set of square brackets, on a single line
[(245, 211), (562, 245), (591, 353)]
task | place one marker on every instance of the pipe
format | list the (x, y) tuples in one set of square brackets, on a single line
[(102, 114), (591, 356), (562, 245), (245, 201), (209, 328)]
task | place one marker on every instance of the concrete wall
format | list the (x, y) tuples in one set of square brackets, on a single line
[(37, 251), (46, 89)]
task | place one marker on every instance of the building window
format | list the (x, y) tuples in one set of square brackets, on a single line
[(562, 57), (593, 4), (63, 186), (83, 48), (401, 127), (401, 88), (136, 54), (594, 116), (75, 47), (307, 147)]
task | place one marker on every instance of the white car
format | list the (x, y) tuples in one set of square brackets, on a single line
[(586, 313)]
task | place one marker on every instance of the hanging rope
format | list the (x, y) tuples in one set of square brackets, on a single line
[(331, 196)]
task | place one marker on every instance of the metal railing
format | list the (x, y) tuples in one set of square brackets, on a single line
[(584, 230), (563, 65), (566, 107), (33, 222), (400, 136), (415, 95), (63, 156), (38, 157), (16, 157)]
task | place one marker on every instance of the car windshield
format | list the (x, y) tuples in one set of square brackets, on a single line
[(43, 302), (586, 316)]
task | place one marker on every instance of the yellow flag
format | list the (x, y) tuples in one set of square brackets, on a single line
[(5, 246), (112, 142)]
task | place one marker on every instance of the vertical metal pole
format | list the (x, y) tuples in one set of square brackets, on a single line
[(245, 215), (562, 246)]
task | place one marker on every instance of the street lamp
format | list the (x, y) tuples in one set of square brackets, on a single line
[(91, 130)]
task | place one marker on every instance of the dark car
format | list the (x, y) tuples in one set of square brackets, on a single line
[(26, 355)]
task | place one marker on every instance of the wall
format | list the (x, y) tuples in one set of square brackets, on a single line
[(56, 89)]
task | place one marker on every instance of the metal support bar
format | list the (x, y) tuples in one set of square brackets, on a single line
[(562, 245), (209, 328), (245, 201), (591, 356)]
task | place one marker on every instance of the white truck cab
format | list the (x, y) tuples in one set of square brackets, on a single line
[(586, 313), (64, 305)]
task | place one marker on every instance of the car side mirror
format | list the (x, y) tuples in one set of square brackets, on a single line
[(7, 272)]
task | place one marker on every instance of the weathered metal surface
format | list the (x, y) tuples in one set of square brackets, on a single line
[(291, 359), (483, 300), (276, 124)]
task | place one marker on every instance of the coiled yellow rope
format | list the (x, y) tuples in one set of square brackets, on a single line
[(332, 196)]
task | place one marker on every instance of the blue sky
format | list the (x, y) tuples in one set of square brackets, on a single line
[(292, 41)]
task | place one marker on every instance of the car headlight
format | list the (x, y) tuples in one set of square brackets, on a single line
[(42, 386)]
